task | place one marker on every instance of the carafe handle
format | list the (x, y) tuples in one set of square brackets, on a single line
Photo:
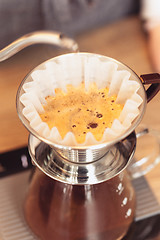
[(147, 155), (46, 37), (154, 80)]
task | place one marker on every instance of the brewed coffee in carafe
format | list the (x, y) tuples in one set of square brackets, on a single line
[(57, 210)]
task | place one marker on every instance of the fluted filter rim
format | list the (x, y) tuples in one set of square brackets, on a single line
[(68, 145)]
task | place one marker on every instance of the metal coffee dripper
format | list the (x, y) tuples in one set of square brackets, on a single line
[(85, 154), (98, 162)]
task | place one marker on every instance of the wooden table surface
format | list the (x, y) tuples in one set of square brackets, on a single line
[(123, 41)]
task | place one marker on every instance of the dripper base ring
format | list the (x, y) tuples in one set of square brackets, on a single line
[(55, 166)]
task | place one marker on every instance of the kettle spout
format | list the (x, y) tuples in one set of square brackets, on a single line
[(45, 37)]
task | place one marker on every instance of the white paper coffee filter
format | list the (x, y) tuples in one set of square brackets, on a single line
[(73, 69)]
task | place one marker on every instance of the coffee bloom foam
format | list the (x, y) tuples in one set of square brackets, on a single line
[(73, 69)]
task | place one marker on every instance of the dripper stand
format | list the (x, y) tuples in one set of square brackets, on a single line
[(82, 166)]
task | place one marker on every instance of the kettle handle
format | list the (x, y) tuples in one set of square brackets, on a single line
[(46, 37), (154, 80)]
